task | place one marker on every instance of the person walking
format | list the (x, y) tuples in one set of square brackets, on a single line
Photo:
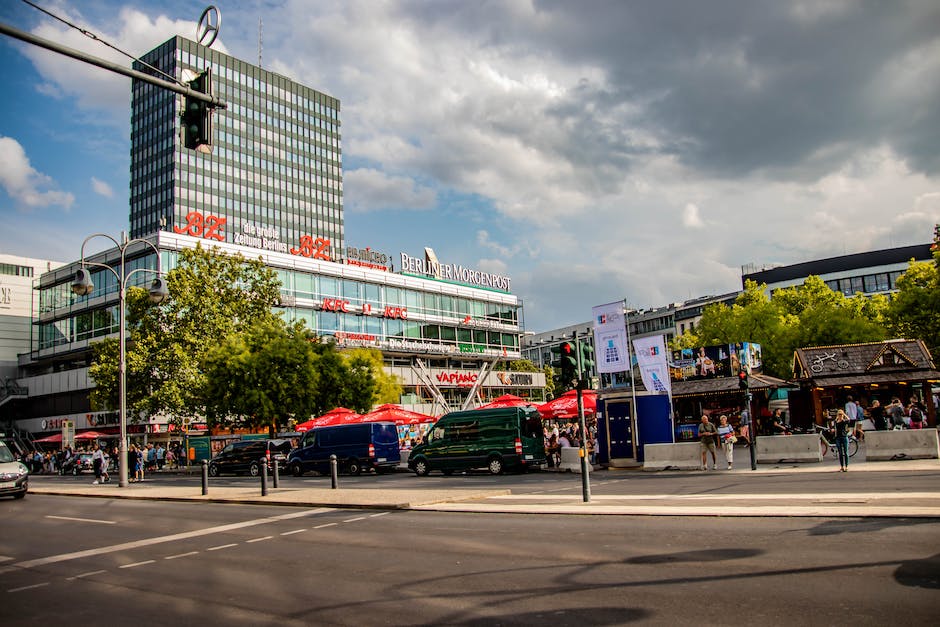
[(726, 436), (842, 427), (98, 462), (745, 425), (706, 437)]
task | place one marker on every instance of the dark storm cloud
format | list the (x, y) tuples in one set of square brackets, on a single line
[(730, 87)]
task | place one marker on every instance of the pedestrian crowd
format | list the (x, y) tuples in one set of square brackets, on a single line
[(558, 436)]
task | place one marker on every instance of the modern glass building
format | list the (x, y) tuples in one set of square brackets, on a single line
[(275, 159)]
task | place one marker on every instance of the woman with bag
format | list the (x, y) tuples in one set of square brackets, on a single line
[(727, 439), (842, 427)]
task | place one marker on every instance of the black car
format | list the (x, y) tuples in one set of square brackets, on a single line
[(245, 456), (77, 464)]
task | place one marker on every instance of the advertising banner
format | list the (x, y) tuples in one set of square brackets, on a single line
[(708, 362), (611, 353), (651, 359)]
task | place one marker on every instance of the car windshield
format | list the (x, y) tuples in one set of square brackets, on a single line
[(5, 455)]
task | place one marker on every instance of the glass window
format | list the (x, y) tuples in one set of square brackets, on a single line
[(304, 284), (432, 332), (857, 284), (449, 334), (329, 287), (351, 290)]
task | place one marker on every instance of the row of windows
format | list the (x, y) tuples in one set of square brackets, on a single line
[(867, 284), (12, 269)]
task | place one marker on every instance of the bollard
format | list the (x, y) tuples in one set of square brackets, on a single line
[(205, 477), (276, 474), (333, 478), (264, 476)]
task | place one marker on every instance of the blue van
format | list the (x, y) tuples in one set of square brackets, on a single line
[(358, 447)]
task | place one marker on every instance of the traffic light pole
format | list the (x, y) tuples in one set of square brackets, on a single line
[(585, 477), (752, 445), (213, 101)]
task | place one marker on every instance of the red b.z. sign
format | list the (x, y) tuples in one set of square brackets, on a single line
[(208, 227)]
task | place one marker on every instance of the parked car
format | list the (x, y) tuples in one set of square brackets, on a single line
[(77, 464), (498, 439), (245, 456), (358, 447), (14, 476)]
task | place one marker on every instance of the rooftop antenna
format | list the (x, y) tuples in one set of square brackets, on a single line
[(260, 31)]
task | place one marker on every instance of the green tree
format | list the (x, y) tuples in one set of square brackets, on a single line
[(376, 387), (212, 295), (914, 311), (261, 377)]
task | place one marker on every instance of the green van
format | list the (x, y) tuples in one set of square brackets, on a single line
[(508, 438)]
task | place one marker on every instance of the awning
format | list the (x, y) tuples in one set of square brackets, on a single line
[(918, 376), (725, 385)]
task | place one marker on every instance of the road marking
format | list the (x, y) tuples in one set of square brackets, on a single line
[(258, 539), (136, 564), (4, 558), (35, 585), (83, 575), (222, 546), (290, 533), (89, 520), (173, 557), (355, 519), (379, 514), (779, 496), (326, 525), (64, 557)]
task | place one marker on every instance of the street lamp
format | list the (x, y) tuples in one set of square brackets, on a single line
[(83, 286)]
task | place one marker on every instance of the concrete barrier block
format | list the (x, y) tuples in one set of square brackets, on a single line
[(571, 460), (404, 458), (904, 444), (772, 449), (678, 456)]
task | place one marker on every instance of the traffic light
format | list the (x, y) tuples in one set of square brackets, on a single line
[(197, 114), (742, 380), (587, 358), (565, 362)]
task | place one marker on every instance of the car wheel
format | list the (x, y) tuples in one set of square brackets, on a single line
[(495, 465), (422, 468), (213, 470), (254, 470), (354, 467), (296, 469)]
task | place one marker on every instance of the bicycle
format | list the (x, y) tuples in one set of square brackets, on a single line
[(828, 445)]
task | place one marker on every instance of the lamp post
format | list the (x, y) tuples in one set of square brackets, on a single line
[(83, 286)]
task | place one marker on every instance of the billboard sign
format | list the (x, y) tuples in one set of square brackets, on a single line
[(710, 362)]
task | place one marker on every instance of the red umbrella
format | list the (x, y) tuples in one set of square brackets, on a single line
[(335, 416), (566, 405), (506, 400), (91, 435), (49, 439), (396, 414)]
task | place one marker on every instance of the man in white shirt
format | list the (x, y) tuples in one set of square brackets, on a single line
[(98, 462), (851, 409)]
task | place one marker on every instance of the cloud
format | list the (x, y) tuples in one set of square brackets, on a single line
[(691, 218), (102, 188), (24, 184), (366, 190)]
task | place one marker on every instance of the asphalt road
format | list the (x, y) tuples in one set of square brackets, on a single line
[(107, 562)]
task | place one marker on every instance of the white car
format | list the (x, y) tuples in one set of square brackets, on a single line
[(14, 476)]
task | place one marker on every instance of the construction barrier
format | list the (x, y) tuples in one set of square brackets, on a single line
[(903, 444), (678, 456), (772, 449), (571, 460)]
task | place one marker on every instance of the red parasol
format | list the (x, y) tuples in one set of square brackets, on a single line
[(335, 416), (507, 400), (91, 435), (396, 414), (49, 439), (566, 405)]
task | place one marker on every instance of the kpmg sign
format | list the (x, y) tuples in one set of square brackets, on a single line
[(431, 267)]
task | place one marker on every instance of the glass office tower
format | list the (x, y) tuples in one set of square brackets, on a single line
[(274, 173)]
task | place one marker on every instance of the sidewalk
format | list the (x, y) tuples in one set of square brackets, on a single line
[(473, 500)]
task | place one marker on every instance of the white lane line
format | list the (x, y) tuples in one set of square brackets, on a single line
[(35, 585), (379, 514), (258, 539), (355, 519), (89, 520), (173, 557), (222, 546), (326, 525), (136, 564), (4, 558), (53, 559), (88, 574), (290, 533)]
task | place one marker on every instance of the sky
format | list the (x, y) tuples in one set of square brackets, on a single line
[(593, 151)]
